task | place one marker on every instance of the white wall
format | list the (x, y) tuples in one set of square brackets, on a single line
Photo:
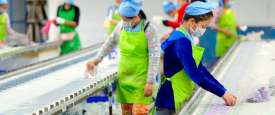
[(17, 11), (255, 12), (93, 13)]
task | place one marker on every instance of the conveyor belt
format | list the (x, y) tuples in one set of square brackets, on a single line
[(50, 88), (14, 58), (10, 52), (248, 67)]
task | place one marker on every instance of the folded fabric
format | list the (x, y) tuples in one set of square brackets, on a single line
[(261, 95)]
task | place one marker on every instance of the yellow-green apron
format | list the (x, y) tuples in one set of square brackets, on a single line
[(3, 28), (133, 68), (227, 20)]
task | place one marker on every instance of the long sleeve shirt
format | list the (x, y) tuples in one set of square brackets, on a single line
[(178, 56), (153, 47)]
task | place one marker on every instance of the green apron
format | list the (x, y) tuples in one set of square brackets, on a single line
[(227, 20), (182, 85), (133, 68), (3, 28), (115, 16), (73, 45)]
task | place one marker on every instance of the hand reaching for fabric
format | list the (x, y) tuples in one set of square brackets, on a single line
[(229, 99)]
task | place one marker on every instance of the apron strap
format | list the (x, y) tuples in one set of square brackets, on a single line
[(164, 79), (146, 25)]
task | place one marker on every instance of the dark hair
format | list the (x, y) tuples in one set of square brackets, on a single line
[(142, 15), (198, 0), (199, 18), (130, 18)]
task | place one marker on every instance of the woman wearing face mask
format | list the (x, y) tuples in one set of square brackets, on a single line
[(68, 19), (170, 8), (139, 58), (182, 63)]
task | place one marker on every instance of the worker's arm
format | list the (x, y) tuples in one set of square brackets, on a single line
[(208, 75), (75, 21), (184, 53), (109, 44), (154, 53), (225, 31)]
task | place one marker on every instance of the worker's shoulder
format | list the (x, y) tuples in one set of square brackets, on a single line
[(76, 7), (177, 35)]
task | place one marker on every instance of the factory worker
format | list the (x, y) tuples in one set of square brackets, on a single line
[(139, 58), (182, 63), (68, 19)]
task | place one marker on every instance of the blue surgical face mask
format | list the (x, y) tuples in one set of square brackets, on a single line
[(126, 24), (197, 32)]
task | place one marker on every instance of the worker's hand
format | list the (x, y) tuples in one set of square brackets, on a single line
[(165, 22), (60, 20), (53, 21), (242, 27), (148, 89), (229, 99), (91, 65)]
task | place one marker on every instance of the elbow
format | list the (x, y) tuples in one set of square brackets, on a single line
[(74, 25), (197, 81)]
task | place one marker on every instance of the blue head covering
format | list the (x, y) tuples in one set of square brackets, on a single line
[(130, 8), (168, 6), (70, 1), (221, 3), (3, 1), (228, 4), (200, 8)]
